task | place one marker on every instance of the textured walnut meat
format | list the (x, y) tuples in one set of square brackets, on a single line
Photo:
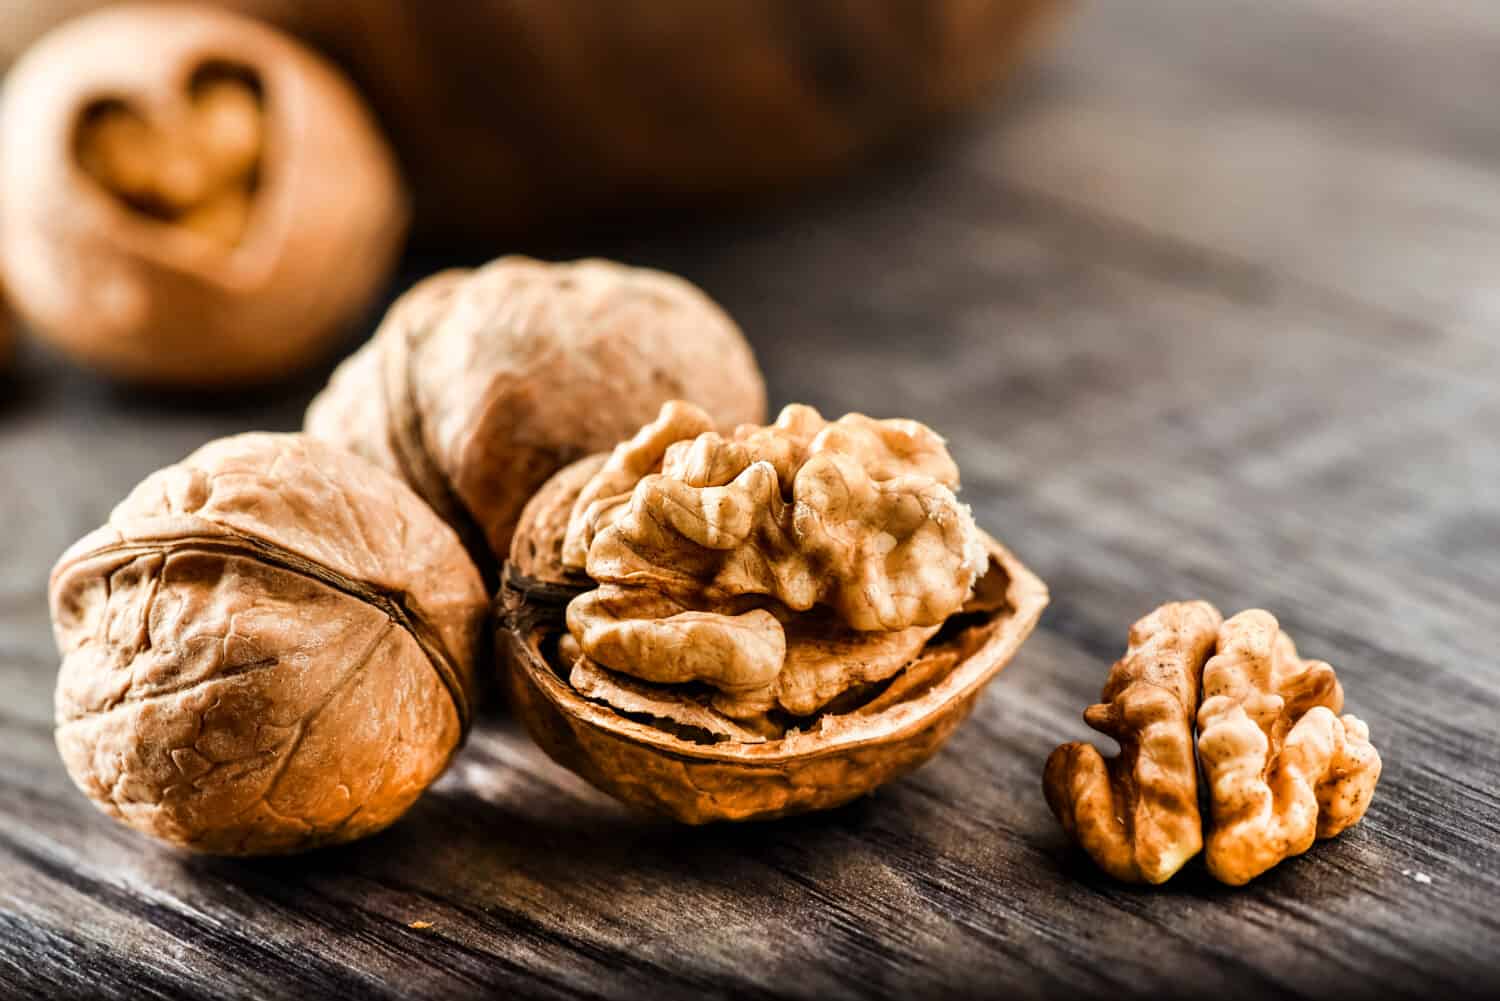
[(752, 624), (1137, 814), (1282, 767), (480, 385), (269, 647), (781, 566), (202, 200)]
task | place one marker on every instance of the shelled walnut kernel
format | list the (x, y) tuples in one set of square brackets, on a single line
[(1282, 768)]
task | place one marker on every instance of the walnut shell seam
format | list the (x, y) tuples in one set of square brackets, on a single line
[(399, 608)]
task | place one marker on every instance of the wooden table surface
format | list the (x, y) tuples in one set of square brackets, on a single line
[(1207, 305)]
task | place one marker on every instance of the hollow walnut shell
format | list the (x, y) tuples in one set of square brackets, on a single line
[(479, 385), (201, 201), (268, 648), (846, 752)]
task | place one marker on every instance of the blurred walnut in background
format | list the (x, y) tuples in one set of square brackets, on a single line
[(201, 176), (191, 198), (509, 114)]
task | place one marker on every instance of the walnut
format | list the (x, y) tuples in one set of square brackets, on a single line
[(480, 385), (760, 623), (1281, 767), (203, 201), (269, 647), (1137, 814)]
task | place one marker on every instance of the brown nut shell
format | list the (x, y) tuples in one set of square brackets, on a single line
[(156, 229), (481, 384), (842, 757), (268, 648)]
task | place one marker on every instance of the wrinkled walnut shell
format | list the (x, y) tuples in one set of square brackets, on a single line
[(479, 385), (156, 233), (842, 757), (268, 648)]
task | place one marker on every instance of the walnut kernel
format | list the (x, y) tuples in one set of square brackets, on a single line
[(1137, 814), (1281, 767)]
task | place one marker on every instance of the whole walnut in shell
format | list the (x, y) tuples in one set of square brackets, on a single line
[(756, 624), (480, 385), (268, 648), (191, 198)]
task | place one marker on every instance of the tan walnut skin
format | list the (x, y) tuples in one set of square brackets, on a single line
[(178, 235), (1137, 814), (269, 647), (479, 385), (734, 556), (1281, 768)]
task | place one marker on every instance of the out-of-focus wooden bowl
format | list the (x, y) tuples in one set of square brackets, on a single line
[(510, 113)]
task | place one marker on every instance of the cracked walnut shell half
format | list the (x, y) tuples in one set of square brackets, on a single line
[(268, 648), (192, 198), (758, 624)]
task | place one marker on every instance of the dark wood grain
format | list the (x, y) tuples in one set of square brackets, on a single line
[(1207, 308)]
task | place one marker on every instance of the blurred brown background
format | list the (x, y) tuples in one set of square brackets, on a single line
[(510, 114)]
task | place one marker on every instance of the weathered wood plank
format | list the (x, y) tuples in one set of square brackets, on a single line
[(1205, 309)]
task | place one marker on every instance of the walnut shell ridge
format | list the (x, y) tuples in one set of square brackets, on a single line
[(156, 301), (269, 647), (479, 385)]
